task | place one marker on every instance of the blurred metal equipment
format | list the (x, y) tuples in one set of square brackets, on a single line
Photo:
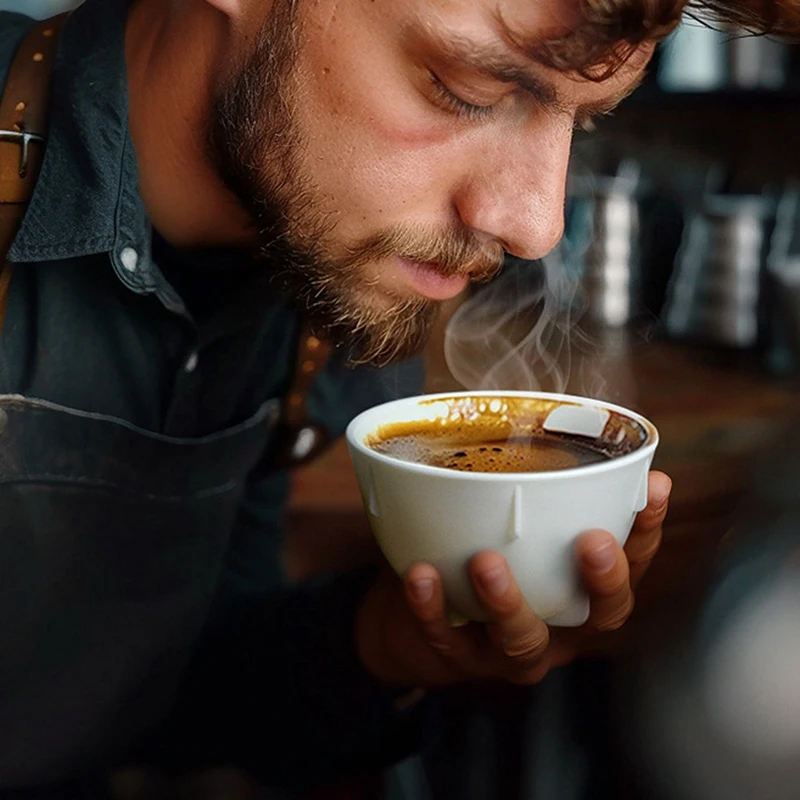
[(757, 62), (715, 292), (699, 57), (693, 59), (783, 268), (606, 218)]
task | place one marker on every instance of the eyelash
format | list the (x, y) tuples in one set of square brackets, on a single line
[(453, 103)]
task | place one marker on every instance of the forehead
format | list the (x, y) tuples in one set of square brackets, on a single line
[(506, 34), (531, 29), (511, 20)]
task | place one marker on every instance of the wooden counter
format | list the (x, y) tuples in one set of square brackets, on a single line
[(714, 414)]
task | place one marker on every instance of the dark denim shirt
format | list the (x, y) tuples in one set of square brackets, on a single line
[(96, 325)]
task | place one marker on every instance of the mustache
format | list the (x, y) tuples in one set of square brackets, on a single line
[(455, 251)]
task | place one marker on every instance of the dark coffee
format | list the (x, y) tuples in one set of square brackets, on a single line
[(502, 436), (542, 453)]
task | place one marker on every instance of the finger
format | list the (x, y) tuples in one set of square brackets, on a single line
[(646, 534), (519, 636), (425, 597), (659, 488), (604, 571)]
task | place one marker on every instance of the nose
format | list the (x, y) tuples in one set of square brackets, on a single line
[(514, 189)]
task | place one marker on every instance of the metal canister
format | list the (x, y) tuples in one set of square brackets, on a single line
[(611, 259), (715, 292)]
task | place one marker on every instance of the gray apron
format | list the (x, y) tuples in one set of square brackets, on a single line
[(112, 545)]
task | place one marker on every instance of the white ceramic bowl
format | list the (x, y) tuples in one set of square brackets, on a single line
[(444, 517)]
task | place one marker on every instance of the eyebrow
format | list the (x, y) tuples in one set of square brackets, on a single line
[(494, 62)]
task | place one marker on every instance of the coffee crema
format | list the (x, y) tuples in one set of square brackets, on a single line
[(502, 434)]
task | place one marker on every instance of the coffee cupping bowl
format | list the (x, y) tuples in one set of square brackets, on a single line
[(423, 513)]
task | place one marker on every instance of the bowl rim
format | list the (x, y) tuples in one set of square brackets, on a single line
[(355, 442)]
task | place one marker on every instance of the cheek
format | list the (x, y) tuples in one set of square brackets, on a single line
[(361, 109), (369, 151), (377, 113)]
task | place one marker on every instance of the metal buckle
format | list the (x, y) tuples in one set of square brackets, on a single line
[(23, 139)]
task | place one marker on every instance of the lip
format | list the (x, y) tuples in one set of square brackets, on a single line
[(427, 280)]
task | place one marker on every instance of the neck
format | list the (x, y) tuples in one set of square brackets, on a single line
[(172, 58)]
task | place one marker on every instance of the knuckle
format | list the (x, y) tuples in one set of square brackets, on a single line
[(441, 646), (438, 638), (526, 648), (662, 504), (618, 617), (643, 556), (658, 508), (645, 552), (611, 587), (649, 520)]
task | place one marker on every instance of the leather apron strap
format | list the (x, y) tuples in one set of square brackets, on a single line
[(298, 440), (23, 123)]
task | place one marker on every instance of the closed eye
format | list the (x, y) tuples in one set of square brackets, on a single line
[(451, 102)]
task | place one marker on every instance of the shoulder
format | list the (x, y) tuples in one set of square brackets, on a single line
[(12, 28)]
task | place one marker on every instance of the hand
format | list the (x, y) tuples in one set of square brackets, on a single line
[(404, 638)]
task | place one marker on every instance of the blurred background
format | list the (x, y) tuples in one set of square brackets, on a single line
[(39, 9), (676, 291)]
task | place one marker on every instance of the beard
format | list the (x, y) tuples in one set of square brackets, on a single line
[(257, 148)]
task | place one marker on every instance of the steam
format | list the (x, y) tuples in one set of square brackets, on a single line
[(521, 332), (534, 328)]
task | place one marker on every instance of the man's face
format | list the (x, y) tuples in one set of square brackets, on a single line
[(391, 152)]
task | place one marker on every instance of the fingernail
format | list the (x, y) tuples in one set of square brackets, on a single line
[(602, 558), (495, 581), (422, 590)]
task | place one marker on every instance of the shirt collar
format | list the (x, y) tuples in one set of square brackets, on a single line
[(87, 197)]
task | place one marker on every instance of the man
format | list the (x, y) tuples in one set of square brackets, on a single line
[(211, 166)]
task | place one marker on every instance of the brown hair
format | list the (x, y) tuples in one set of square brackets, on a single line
[(611, 30)]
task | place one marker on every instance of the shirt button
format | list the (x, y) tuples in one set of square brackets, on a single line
[(304, 444), (129, 258), (191, 363)]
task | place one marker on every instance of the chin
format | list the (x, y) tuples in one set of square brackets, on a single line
[(388, 340), (370, 321)]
